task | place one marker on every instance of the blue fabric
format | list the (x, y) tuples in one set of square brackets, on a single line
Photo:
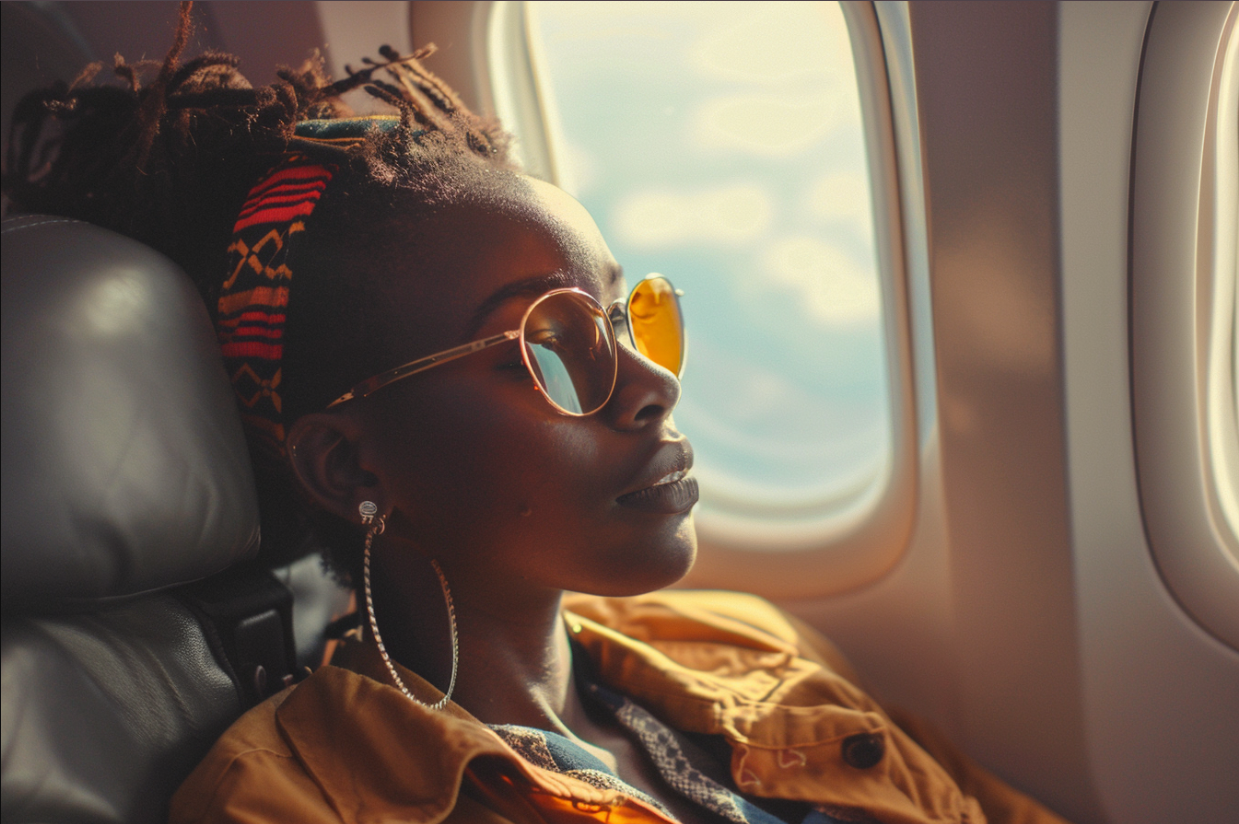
[(344, 127), (327, 139)]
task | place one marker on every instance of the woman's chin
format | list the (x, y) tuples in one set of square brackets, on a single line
[(639, 573)]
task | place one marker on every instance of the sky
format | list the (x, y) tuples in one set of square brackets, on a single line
[(721, 145)]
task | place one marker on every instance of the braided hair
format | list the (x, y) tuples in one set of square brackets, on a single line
[(168, 157)]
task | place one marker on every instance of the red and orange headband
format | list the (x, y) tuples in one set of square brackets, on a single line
[(254, 299)]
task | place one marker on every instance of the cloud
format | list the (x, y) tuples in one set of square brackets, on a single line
[(829, 283), (842, 197), (766, 124), (777, 41), (618, 12), (728, 215), (576, 168)]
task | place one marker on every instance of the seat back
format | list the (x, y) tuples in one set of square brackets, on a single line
[(125, 476), (107, 712)]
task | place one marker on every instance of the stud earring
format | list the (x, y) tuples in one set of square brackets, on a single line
[(368, 512)]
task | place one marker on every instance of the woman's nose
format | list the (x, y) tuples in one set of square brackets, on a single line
[(645, 393)]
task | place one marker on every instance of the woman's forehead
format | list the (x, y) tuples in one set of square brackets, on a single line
[(478, 254)]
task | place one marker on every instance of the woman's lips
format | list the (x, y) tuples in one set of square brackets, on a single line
[(673, 493)]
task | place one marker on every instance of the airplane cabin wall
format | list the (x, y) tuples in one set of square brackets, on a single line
[(1161, 695), (1028, 617), (1005, 648)]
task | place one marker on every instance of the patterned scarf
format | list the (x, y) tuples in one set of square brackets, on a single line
[(253, 302)]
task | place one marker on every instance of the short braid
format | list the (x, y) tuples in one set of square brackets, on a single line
[(170, 160)]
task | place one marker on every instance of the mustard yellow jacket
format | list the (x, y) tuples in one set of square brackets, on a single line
[(343, 746)]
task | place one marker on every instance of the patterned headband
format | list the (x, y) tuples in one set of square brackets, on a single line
[(254, 299)]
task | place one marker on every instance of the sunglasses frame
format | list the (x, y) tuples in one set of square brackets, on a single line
[(618, 309)]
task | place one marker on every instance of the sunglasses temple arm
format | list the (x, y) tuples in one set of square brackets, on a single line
[(617, 313), (422, 364)]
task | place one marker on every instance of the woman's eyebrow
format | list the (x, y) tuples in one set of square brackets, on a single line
[(530, 287)]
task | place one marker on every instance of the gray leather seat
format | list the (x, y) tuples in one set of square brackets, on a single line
[(125, 474)]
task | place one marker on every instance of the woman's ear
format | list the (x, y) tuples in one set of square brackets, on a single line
[(322, 449)]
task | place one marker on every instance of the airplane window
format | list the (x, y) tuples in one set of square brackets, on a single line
[(722, 145), (1224, 332)]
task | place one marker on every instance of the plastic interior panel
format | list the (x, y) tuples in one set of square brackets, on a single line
[(1171, 278), (1159, 692)]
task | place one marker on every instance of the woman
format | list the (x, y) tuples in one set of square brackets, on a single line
[(444, 378)]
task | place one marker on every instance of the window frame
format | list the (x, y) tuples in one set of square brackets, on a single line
[(1174, 359)]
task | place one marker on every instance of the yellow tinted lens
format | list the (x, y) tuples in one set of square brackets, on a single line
[(570, 349), (657, 329)]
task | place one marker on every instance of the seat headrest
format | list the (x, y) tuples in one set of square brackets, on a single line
[(124, 466)]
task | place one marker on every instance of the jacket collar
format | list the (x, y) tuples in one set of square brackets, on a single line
[(786, 718), (417, 759), (693, 660)]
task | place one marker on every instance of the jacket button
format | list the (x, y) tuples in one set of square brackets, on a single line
[(863, 750)]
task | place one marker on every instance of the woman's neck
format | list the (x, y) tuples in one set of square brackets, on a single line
[(517, 671), (515, 661), (515, 667)]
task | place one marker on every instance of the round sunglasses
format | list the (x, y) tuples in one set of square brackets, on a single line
[(568, 344)]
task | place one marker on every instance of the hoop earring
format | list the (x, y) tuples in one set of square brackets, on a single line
[(368, 510)]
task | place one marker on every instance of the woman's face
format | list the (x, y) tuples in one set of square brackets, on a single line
[(477, 469)]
